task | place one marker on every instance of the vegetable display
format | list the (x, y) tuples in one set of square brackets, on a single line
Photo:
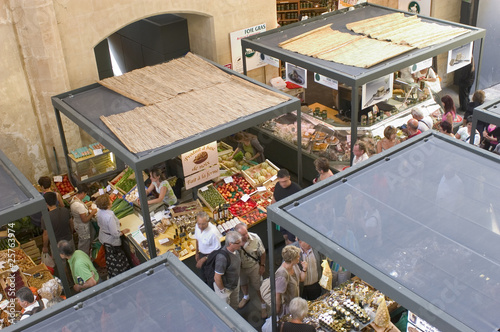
[(212, 197), (125, 183), (121, 208)]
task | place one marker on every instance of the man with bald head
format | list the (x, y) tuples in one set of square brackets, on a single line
[(412, 127), (424, 122)]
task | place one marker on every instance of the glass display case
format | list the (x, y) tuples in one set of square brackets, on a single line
[(93, 166)]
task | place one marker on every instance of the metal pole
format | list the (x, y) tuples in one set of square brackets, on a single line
[(354, 119), (299, 146), (478, 69), (55, 252), (270, 243), (64, 143), (146, 217), (244, 58)]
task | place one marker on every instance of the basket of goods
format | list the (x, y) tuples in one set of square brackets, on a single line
[(38, 275), (12, 280), (210, 197), (229, 190), (186, 208), (261, 173)]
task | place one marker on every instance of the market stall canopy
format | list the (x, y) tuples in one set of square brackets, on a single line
[(187, 109), (419, 222), (269, 43), (160, 295)]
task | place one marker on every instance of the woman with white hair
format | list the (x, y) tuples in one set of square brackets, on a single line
[(298, 310)]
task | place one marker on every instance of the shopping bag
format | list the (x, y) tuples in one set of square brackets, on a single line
[(101, 257), (326, 277), (435, 86), (47, 260)]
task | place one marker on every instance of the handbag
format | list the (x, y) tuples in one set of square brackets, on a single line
[(48, 260), (435, 86)]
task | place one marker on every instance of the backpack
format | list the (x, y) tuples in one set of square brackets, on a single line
[(265, 290), (209, 266)]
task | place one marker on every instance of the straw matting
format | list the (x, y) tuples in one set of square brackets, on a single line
[(197, 106), (405, 30), (352, 50)]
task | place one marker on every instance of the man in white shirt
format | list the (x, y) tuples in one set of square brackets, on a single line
[(359, 151), (253, 265), (27, 301), (311, 289), (424, 122), (207, 240)]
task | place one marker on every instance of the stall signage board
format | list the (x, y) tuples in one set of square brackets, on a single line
[(296, 75), (421, 65), (200, 158), (459, 57), (253, 58), (326, 81), (376, 91), (270, 60), (422, 7), (201, 177), (417, 324)]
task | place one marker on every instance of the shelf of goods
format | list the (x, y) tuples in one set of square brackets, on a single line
[(326, 134), (90, 164), (125, 181)]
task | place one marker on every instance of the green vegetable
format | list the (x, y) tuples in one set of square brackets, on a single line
[(239, 156), (125, 183), (212, 197)]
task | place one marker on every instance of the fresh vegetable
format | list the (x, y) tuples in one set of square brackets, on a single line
[(64, 187), (238, 156), (121, 208), (212, 197), (125, 183)]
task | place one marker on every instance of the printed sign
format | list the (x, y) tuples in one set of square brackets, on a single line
[(422, 7), (201, 177), (459, 57), (200, 158), (421, 65), (376, 91), (417, 324), (296, 74), (270, 60), (253, 58), (326, 81)]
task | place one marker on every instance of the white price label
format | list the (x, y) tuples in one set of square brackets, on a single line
[(58, 178), (204, 188), (163, 241), (274, 177), (101, 191), (66, 196), (261, 189), (115, 192), (97, 152), (85, 177), (109, 169), (108, 188), (229, 179), (245, 197)]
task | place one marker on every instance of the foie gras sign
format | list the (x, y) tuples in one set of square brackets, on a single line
[(199, 164)]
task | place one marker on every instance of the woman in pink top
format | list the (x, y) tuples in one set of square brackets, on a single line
[(449, 109)]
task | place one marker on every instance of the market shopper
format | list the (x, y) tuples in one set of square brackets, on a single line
[(298, 311), (450, 113), (109, 236), (29, 303), (160, 184), (253, 265), (389, 140), (490, 140), (466, 77), (477, 100), (82, 217), (227, 272), (207, 240), (412, 128), (61, 219), (310, 288), (424, 122), (464, 132), (323, 168), (284, 188), (83, 271), (249, 143), (446, 128), (287, 278), (45, 185), (359, 151)]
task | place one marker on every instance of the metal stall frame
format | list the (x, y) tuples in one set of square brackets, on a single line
[(381, 281), (488, 112), (267, 43), (207, 296), (35, 203), (139, 162)]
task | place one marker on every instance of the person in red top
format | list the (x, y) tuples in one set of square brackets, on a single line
[(412, 126)]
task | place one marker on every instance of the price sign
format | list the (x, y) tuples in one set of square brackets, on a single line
[(58, 178), (245, 197), (229, 179), (108, 188), (85, 177), (66, 196), (204, 188), (101, 191), (115, 192), (274, 177), (97, 152), (109, 169), (261, 189)]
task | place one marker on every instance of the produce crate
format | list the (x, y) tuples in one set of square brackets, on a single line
[(31, 249), (5, 282), (65, 188), (250, 173), (240, 208), (255, 216), (231, 192), (128, 196), (224, 148), (38, 282), (215, 197), (5, 243), (263, 198), (186, 208), (117, 178)]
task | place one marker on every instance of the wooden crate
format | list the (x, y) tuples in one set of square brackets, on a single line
[(5, 281), (70, 194), (31, 249), (200, 196), (42, 269), (225, 148), (144, 177), (248, 174), (192, 207)]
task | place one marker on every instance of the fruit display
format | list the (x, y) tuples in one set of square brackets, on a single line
[(23, 261), (230, 191), (240, 208), (211, 197), (242, 183), (263, 198), (259, 174), (127, 181), (253, 216), (132, 195), (233, 164), (65, 187), (13, 281), (121, 208), (7, 243), (95, 146)]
